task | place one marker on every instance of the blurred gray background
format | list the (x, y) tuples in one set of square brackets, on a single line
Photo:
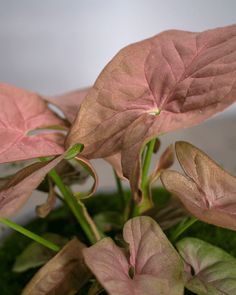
[(55, 46)]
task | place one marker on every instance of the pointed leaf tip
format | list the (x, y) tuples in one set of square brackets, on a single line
[(207, 191), (197, 81)]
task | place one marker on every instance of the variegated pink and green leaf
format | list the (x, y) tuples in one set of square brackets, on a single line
[(208, 269)]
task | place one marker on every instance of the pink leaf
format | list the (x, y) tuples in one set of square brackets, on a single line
[(173, 80), (69, 103), (19, 188), (154, 266), (115, 161), (64, 274), (21, 113), (44, 209), (207, 191)]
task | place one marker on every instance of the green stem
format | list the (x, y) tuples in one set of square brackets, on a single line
[(77, 208), (146, 200), (147, 161), (29, 234), (120, 189), (183, 226), (125, 198)]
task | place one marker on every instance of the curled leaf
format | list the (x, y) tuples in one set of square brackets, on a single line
[(19, 188), (69, 103), (207, 191), (173, 80), (21, 113), (165, 162), (153, 266), (44, 209), (89, 168), (35, 255), (209, 270), (64, 274), (115, 161)]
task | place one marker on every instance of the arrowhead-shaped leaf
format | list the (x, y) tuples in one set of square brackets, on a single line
[(154, 266), (173, 80), (69, 103), (21, 113), (209, 270), (207, 191), (64, 274)]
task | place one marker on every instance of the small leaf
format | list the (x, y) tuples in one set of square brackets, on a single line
[(64, 274), (155, 264), (35, 255), (73, 151), (165, 162), (89, 168), (69, 103), (209, 270), (207, 191), (44, 209), (19, 188), (21, 113)]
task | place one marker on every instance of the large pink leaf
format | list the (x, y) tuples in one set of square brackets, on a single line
[(207, 191), (22, 112), (173, 80), (69, 103), (154, 266)]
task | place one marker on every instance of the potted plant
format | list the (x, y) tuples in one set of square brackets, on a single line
[(144, 240)]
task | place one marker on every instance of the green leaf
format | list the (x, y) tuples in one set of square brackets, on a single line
[(73, 151), (36, 255), (208, 269)]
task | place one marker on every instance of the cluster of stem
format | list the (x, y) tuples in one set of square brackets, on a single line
[(129, 207)]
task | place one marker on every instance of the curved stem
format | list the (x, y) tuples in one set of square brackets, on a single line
[(30, 234), (183, 227), (77, 208), (125, 198), (146, 197)]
